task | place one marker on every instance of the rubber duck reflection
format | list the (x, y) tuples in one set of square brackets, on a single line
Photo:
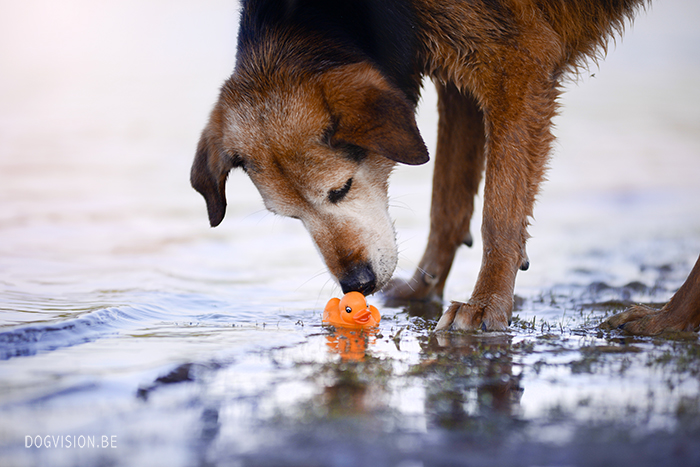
[(351, 344)]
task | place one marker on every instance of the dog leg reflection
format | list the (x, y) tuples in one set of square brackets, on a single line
[(477, 385)]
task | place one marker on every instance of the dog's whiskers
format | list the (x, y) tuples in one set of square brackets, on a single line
[(401, 205), (314, 276)]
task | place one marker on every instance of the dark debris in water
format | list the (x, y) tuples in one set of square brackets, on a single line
[(187, 372)]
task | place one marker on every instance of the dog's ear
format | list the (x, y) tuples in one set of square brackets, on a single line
[(370, 113), (210, 169)]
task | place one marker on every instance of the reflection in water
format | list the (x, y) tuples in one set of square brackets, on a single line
[(357, 385), (428, 310), (346, 395), (471, 380), (210, 427), (349, 388), (351, 344), (467, 380)]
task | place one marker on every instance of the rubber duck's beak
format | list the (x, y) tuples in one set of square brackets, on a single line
[(362, 317)]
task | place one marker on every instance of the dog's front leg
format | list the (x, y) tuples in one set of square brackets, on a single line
[(459, 163), (518, 140)]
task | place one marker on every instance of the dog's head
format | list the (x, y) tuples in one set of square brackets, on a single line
[(318, 148)]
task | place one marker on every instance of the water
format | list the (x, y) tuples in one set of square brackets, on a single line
[(128, 321)]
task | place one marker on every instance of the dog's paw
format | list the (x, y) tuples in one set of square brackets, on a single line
[(421, 287), (642, 320), (488, 315)]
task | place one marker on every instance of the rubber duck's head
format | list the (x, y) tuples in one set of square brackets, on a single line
[(354, 309)]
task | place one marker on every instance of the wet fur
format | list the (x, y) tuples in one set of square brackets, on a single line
[(322, 99)]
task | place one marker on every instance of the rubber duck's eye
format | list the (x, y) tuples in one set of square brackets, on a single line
[(348, 309)]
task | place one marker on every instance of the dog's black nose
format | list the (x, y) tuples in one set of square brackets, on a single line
[(359, 279)]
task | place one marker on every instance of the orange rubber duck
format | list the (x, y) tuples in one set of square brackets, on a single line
[(351, 312)]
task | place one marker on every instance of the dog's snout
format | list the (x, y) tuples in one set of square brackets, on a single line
[(359, 279)]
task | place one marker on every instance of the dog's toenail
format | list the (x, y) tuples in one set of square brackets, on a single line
[(483, 326), (429, 279), (468, 239)]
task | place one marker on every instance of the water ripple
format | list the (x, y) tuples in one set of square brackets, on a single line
[(32, 339)]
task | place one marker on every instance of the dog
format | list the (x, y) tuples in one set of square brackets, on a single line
[(321, 106)]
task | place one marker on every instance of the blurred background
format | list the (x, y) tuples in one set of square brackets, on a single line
[(101, 106)]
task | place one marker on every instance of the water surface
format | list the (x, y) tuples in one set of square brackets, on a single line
[(126, 320)]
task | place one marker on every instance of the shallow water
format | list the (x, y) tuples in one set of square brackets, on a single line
[(128, 321)]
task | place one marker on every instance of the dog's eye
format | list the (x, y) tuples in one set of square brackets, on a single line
[(335, 196)]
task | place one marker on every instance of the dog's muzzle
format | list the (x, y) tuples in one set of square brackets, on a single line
[(360, 278)]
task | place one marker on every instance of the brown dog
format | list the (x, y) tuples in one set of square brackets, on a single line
[(321, 106)]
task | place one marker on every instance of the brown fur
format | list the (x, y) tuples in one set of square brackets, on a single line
[(306, 114), (681, 313)]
